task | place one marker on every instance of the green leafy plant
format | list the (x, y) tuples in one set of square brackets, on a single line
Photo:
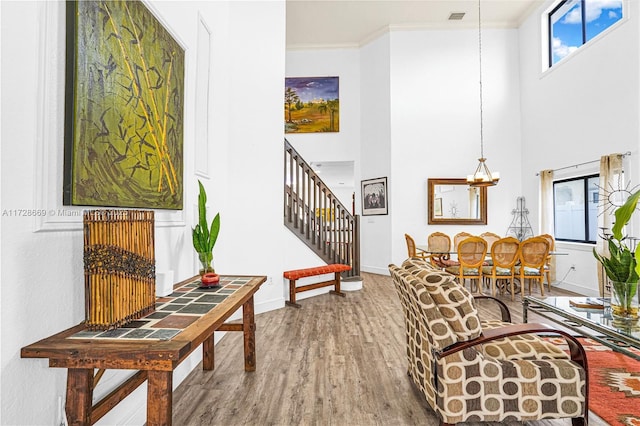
[(622, 266), (205, 235)]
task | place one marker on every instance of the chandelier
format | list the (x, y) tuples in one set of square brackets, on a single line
[(482, 176)]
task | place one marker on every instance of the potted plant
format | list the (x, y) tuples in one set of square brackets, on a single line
[(622, 266), (205, 235)]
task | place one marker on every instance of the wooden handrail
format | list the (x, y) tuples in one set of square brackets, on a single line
[(316, 216)]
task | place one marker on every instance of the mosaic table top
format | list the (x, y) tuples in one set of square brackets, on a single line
[(174, 312)]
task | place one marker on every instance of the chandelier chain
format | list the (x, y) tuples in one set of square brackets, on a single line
[(480, 65), (482, 177)]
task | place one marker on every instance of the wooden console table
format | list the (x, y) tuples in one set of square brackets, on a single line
[(156, 359)]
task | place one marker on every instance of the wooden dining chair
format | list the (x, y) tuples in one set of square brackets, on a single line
[(439, 247), (459, 237), (549, 263), (504, 253), (490, 238), (411, 248), (533, 256), (471, 255)]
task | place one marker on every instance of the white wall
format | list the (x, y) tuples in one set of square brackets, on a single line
[(342, 63), (331, 146), (419, 111), (584, 107), (435, 124), (42, 272), (375, 152), (364, 129)]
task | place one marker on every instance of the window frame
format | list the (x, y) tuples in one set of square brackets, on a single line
[(585, 186), (548, 14)]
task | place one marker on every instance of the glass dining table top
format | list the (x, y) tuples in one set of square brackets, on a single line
[(426, 249)]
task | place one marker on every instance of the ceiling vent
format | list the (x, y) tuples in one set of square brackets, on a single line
[(456, 16)]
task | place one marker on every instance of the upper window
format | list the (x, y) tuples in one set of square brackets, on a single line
[(574, 22), (575, 209)]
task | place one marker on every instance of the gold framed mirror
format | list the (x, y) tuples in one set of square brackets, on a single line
[(454, 202)]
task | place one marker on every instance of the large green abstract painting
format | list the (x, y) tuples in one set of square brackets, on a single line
[(124, 102)]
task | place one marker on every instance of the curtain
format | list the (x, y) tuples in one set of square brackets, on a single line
[(610, 182), (546, 213)]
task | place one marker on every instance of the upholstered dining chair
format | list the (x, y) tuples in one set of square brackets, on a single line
[(471, 369), (459, 237), (471, 255), (411, 248), (440, 246), (549, 262), (533, 256), (490, 238), (504, 254)]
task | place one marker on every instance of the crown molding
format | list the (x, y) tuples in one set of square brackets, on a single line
[(459, 25)]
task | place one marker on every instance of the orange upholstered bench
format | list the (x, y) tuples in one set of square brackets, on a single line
[(293, 276)]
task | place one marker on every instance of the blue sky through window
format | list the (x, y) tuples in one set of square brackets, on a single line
[(566, 24)]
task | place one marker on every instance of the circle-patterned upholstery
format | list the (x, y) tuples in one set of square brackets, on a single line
[(454, 302), (519, 378)]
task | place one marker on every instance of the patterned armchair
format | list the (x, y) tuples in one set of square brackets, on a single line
[(475, 371)]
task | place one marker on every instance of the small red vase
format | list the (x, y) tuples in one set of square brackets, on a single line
[(210, 279)]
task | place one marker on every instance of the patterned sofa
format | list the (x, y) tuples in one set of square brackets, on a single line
[(471, 370)]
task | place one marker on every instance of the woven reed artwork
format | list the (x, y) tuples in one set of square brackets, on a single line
[(119, 267)]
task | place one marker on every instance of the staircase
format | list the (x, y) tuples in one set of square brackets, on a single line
[(316, 216)]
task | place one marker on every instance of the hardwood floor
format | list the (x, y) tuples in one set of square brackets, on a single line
[(336, 361)]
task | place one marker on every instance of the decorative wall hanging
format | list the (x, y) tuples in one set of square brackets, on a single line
[(119, 267), (520, 226), (124, 106), (311, 105), (374, 196)]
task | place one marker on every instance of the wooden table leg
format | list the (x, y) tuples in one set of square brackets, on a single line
[(292, 295), (208, 353), (336, 281), (159, 398), (79, 396), (249, 331)]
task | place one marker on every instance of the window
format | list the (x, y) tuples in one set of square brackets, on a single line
[(575, 209), (574, 22)]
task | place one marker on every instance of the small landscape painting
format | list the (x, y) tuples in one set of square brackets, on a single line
[(311, 105)]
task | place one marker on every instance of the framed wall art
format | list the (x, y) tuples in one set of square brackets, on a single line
[(374, 196), (124, 103), (311, 105)]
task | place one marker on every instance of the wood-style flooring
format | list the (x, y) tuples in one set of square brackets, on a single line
[(336, 361)]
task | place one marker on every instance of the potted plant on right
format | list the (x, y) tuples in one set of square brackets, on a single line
[(622, 266), (204, 235)]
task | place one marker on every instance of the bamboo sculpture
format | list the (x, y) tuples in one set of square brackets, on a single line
[(119, 267)]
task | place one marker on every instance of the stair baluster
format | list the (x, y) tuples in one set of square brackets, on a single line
[(316, 216)]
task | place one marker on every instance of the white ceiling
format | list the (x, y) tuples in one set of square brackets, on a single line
[(352, 23)]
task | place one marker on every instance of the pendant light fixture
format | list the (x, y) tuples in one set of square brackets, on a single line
[(482, 176)]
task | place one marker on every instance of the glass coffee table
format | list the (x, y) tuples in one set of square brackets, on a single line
[(596, 324)]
